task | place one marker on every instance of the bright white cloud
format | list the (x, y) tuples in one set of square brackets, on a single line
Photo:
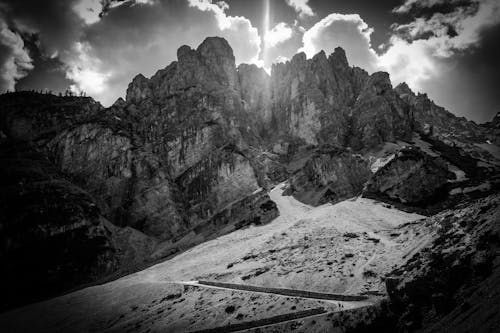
[(86, 72), (408, 56), (301, 7), (88, 10), (277, 35), (14, 59), (281, 59), (416, 59), (347, 31), (238, 30), (412, 63)]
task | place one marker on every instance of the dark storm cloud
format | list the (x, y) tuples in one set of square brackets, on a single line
[(48, 74), (55, 21)]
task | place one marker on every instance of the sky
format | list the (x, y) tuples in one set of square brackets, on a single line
[(448, 49)]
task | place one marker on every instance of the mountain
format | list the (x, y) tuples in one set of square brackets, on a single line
[(494, 123), (192, 153)]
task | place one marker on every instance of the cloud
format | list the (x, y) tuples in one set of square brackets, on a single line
[(14, 59), (55, 21), (408, 62), (89, 10), (301, 7), (408, 5), (103, 44), (112, 51), (86, 72), (277, 35), (420, 52), (347, 31), (238, 30), (416, 50)]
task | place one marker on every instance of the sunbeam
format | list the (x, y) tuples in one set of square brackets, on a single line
[(265, 29)]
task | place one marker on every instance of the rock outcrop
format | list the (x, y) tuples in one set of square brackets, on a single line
[(411, 177), (379, 115), (328, 175)]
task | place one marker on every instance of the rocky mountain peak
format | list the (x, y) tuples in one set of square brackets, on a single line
[(215, 46), (185, 52), (320, 56), (379, 83), (338, 58), (404, 89), (494, 123), (138, 89), (119, 103), (252, 69), (218, 56), (299, 58)]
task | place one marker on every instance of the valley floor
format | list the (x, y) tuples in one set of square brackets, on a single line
[(344, 248)]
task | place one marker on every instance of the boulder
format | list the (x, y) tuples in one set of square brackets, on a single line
[(329, 175), (412, 177)]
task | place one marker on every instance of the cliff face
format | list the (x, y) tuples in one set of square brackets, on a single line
[(53, 236), (324, 101), (311, 98), (189, 116)]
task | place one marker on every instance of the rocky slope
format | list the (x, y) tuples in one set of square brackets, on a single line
[(452, 285), (494, 123), (191, 153)]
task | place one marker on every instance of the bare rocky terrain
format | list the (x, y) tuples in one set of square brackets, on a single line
[(220, 198)]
